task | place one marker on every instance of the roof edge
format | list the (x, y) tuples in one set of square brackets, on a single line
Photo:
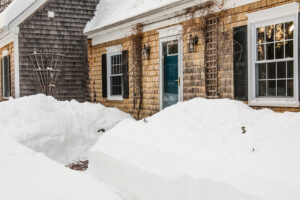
[(146, 14)]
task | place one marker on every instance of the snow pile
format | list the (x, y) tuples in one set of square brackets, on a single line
[(28, 175), (112, 11), (62, 130), (204, 149)]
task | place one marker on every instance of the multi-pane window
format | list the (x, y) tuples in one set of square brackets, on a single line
[(116, 75), (5, 71), (275, 60)]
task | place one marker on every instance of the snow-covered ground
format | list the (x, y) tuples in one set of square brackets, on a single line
[(27, 175), (203, 149), (63, 130), (200, 149)]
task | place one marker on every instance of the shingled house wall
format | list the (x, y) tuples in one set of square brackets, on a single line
[(10, 49), (193, 63), (62, 34)]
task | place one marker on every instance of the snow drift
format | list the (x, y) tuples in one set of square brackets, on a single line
[(63, 131), (28, 175), (203, 149)]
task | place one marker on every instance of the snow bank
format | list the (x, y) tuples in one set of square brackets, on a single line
[(61, 130), (28, 175), (112, 11), (204, 149)]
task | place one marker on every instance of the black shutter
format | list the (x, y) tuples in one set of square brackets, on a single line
[(240, 57), (299, 55), (5, 71), (8, 76), (125, 74), (1, 78), (104, 76)]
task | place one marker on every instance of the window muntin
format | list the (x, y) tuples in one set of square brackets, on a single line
[(274, 64), (115, 75)]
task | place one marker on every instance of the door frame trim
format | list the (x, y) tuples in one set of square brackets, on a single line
[(180, 67)]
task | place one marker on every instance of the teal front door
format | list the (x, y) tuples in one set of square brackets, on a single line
[(170, 73)]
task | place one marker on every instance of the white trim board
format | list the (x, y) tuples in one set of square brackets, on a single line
[(9, 38), (170, 31), (16, 65), (272, 13)]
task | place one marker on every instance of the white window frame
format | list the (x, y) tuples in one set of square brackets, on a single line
[(112, 51), (280, 14)]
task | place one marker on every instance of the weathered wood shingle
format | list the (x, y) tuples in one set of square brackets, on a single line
[(63, 34)]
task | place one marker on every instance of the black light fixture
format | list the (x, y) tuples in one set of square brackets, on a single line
[(146, 52), (192, 42)]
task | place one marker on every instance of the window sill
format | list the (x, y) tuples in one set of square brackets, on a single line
[(274, 102), (115, 98)]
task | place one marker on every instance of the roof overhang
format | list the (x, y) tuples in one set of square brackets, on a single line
[(173, 13)]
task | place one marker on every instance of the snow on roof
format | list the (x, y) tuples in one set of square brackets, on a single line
[(113, 11), (16, 8)]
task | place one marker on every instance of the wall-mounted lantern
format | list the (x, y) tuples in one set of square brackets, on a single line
[(146, 52), (192, 42)]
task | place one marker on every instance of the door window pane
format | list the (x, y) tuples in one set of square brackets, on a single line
[(173, 48)]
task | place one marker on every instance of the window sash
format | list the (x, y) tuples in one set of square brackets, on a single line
[(274, 60), (114, 69)]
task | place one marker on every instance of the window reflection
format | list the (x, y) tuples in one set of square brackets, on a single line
[(270, 33), (260, 35), (279, 36), (289, 30)]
